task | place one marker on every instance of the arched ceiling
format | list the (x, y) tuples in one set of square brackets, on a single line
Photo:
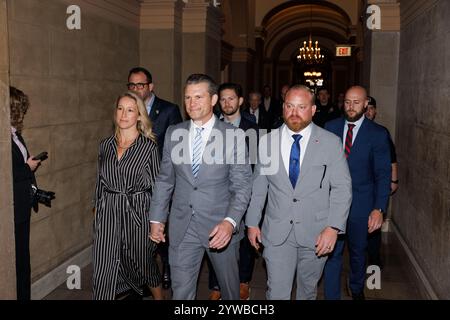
[(297, 20), (265, 7)]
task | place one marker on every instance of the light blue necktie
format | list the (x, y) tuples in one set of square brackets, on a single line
[(197, 151), (294, 160)]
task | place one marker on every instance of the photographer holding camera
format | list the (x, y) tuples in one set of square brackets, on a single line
[(26, 194)]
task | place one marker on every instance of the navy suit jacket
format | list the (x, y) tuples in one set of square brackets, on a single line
[(369, 162), (163, 114)]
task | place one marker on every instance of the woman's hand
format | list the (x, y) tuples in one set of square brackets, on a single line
[(33, 164)]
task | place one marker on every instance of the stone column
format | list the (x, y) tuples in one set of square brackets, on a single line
[(7, 244), (384, 63), (242, 68), (201, 39), (384, 49), (161, 45)]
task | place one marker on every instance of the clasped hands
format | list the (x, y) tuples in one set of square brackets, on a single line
[(219, 237)]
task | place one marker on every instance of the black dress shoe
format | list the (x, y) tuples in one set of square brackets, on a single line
[(358, 296), (166, 281)]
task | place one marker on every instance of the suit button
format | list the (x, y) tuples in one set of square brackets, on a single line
[(190, 206), (295, 200), (291, 222), (195, 188)]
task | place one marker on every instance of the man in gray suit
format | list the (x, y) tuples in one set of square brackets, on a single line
[(309, 188), (210, 179)]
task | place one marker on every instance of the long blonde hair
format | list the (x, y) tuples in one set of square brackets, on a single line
[(144, 125)]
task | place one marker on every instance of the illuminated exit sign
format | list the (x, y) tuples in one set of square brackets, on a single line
[(343, 51)]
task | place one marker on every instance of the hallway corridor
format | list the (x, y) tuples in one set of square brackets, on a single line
[(398, 279)]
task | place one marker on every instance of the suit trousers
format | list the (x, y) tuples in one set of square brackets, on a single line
[(282, 263), (23, 268), (247, 255), (357, 244), (186, 259)]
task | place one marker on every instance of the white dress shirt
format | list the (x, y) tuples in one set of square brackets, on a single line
[(149, 104), (19, 144), (355, 130), (287, 141), (267, 103)]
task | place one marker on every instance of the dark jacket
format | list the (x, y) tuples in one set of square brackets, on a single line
[(163, 114), (23, 177)]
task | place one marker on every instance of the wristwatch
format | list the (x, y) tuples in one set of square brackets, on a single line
[(381, 210)]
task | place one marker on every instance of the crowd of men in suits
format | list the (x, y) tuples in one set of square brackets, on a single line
[(330, 186)]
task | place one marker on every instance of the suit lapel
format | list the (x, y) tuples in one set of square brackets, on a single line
[(185, 153), (154, 112), (361, 136), (311, 153)]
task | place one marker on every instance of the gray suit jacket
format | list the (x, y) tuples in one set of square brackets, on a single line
[(321, 198), (220, 190)]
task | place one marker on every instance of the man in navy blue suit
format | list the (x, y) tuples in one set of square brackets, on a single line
[(163, 114), (366, 145)]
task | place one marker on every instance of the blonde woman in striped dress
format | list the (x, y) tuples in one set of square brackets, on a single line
[(123, 254)]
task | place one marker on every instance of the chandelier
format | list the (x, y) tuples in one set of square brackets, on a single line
[(310, 54)]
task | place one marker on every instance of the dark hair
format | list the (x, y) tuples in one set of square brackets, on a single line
[(197, 78), (323, 89), (372, 101), (19, 104), (231, 86), (144, 71)]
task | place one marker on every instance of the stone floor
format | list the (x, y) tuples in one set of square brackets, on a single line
[(398, 280)]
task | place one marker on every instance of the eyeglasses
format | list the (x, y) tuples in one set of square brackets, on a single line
[(140, 85)]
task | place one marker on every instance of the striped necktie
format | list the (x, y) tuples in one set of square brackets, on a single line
[(349, 139), (197, 151)]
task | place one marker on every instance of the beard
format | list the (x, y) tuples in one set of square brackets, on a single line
[(229, 111), (296, 124), (355, 115)]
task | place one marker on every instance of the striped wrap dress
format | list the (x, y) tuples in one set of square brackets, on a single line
[(123, 254)]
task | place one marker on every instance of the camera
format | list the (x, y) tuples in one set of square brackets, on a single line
[(41, 196)]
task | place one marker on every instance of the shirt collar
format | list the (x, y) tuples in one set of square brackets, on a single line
[(235, 123), (357, 123), (304, 132), (207, 125), (149, 104), (13, 130)]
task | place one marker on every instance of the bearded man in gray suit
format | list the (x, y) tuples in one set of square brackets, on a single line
[(303, 170), (210, 178)]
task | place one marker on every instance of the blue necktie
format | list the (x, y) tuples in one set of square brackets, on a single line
[(197, 152), (294, 160)]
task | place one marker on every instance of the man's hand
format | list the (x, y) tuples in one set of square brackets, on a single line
[(394, 188), (375, 220), (157, 232), (33, 164), (254, 236), (220, 236), (326, 241)]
